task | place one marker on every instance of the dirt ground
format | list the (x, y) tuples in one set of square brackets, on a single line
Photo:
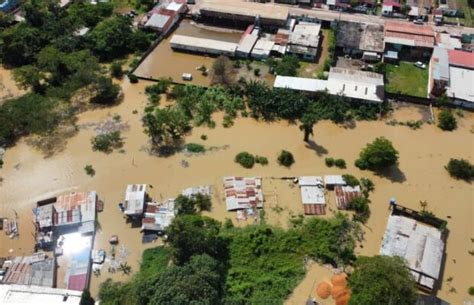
[(29, 176)]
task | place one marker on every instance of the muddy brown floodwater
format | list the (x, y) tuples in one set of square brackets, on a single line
[(164, 62), (28, 176)]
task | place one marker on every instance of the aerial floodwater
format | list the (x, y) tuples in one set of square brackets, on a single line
[(28, 176), (164, 62)]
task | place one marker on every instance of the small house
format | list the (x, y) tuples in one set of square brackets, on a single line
[(135, 197), (312, 195)]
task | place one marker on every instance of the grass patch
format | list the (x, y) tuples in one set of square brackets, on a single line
[(154, 260), (406, 79)]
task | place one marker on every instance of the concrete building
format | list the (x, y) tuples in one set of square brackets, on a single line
[(26, 295), (412, 237), (359, 39), (354, 84), (203, 45), (451, 72), (303, 41), (241, 14)]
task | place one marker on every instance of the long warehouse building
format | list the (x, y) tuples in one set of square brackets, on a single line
[(203, 45), (269, 15)]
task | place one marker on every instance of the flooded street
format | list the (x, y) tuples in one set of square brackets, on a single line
[(28, 176)]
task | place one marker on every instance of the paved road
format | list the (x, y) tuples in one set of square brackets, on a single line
[(334, 15)]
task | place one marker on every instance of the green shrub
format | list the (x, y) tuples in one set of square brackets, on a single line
[(116, 69), (195, 148), (460, 169), (107, 142), (261, 160), (360, 205), (341, 163), (203, 137), (245, 159), (351, 180), (285, 158), (377, 155), (471, 290), (329, 162), (133, 78), (89, 170), (256, 72), (446, 120)]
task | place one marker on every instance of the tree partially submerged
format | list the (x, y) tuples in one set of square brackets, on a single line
[(460, 169), (223, 71), (377, 155)]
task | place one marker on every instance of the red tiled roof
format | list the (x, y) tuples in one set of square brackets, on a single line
[(77, 282), (314, 209), (461, 58), (405, 27)]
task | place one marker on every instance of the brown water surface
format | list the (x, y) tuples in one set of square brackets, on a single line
[(28, 176)]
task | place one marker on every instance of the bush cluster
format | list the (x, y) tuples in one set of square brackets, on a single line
[(107, 142), (285, 158), (461, 169)]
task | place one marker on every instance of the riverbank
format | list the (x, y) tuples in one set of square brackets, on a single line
[(29, 176)]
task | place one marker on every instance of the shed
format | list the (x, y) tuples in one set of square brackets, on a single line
[(345, 195), (332, 180), (135, 197)]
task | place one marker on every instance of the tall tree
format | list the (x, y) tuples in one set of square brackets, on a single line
[(223, 71), (382, 280)]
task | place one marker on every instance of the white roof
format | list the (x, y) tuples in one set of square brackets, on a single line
[(300, 83), (27, 295), (312, 194), (461, 82), (250, 9), (305, 34), (263, 47), (310, 180), (173, 6), (420, 245), (356, 84), (203, 43), (135, 199), (334, 180), (157, 21), (202, 189), (247, 43)]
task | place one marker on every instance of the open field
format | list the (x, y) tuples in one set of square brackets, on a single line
[(28, 176), (407, 79)]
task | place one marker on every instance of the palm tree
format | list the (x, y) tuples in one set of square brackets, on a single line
[(307, 122)]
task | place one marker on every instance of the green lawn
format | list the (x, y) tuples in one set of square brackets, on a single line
[(406, 79), (468, 12)]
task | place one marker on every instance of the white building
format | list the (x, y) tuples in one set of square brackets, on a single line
[(312, 195), (135, 197), (28, 295), (354, 84), (203, 45)]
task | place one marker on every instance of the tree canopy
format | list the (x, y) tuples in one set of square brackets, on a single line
[(382, 280), (377, 155)]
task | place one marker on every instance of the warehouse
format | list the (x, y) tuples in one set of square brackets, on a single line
[(203, 45)]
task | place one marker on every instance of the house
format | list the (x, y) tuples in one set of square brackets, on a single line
[(331, 181), (345, 194), (412, 41), (23, 294), (262, 49), (135, 198), (451, 72), (158, 216), (76, 210), (37, 269), (359, 39), (243, 193), (247, 41), (163, 17), (448, 8), (312, 195), (418, 239), (390, 8), (354, 84), (303, 41)]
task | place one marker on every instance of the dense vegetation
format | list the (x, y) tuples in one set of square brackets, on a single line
[(223, 264), (107, 142), (382, 280), (461, 169), (377, 155), (53, 61), (285, 158)]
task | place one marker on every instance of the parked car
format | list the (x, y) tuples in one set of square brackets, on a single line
[(420, 65), (418, 21)]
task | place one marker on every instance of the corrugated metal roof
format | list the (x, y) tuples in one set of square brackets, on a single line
[(249, 9), (157, 21), (243, 193), (461, 58), (300, 83), (210, 44)]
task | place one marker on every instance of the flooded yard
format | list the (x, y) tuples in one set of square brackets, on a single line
[(29, 176)]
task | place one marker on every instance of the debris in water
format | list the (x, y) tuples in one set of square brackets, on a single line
[(184, 163)]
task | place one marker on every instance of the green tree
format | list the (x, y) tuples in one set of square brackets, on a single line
[(377, 155), (111, 37), (360, 205), (20, 44), (307, 122), (29, 77), (116, 69), (446, 120), (461, 169), (200, 281), (190, 235), (285, 158), (106, 91), (382, 280), (223, 71), (191, 205), (245, 159), (86, 298), (288, 66), (165, 126)]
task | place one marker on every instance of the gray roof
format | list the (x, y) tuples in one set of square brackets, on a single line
[(360, 36), (157, 21)]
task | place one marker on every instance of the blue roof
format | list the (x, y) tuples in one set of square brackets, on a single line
[(8, 5)]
